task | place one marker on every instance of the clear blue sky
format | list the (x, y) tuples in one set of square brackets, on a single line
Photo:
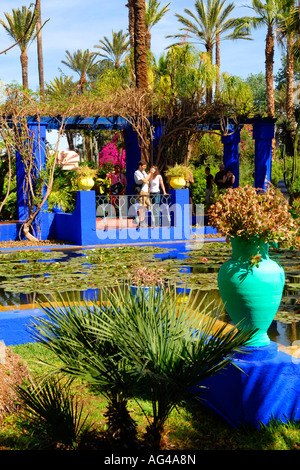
[(80, 24)]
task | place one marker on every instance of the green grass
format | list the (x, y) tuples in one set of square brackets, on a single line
[(190, 427)]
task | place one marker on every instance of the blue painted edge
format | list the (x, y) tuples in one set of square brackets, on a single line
[(255, 390)]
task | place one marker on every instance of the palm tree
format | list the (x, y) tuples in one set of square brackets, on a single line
[(60, 88), (290, 31), (287, 39), (40, 48), (131, 23), (210, 25), (269, 14), (82, 62), (140, 52), (152, 16), (170, 345), (20, 26), (114, 52)]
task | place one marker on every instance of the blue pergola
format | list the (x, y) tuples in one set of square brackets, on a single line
[(263, 133)]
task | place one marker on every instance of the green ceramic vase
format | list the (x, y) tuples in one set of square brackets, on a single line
[(251, 294)]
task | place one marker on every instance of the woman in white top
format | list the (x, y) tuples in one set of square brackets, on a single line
[(155, 183), (141, 180)]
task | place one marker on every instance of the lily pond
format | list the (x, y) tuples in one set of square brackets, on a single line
[(27, 275)]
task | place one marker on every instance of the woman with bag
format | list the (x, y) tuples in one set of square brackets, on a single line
[(118, 181)]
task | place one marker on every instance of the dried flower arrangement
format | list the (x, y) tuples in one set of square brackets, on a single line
[(144, 275), (247, 212)]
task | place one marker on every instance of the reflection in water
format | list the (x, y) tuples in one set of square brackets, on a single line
[(281, 332)]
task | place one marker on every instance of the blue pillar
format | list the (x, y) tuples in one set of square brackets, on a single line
[(133, 156), (158, 130), (231, 154), (263, 134), (133, 152), (38, 132)]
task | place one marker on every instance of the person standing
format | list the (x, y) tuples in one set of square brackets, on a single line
[(118, 181), (209, 186), (117, 188), (228, 179), (219, 177), (141, 180), (156, 183)]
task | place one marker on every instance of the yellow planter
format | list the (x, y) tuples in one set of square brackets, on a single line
[(85, 184), (177, 182)]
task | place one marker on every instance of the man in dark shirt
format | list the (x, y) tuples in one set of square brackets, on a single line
[(219, 177)]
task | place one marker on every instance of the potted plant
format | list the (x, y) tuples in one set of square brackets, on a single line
[(250, 283), (85, 177), (179, 176), (59, 199), (143, 277)]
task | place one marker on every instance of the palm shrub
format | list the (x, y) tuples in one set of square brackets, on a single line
[(71, 329), (171, 345), (53, 413), (128, 343)]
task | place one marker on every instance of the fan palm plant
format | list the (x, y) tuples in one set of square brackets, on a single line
[(72, 331), (21, 27), (172, 344), (51, 410), (114, 52), (127, 343)]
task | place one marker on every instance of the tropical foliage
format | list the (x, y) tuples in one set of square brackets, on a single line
[(127, 345), (21, 27), (113, 53), (177, 87)]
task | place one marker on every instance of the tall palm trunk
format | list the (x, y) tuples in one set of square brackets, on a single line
[(40, 49), (140, 53), (24, 65), (140, 60), (131, 22), (218, 62), (269, 55), (290, 78), (209, 50), (148, 40)]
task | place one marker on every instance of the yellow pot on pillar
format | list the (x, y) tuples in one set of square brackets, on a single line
[(85, 184), (177, 182)]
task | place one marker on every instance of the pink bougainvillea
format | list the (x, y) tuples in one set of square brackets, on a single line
[(111, 154), (247, 143)]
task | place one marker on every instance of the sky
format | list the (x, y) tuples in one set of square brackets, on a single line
[(80, 24)]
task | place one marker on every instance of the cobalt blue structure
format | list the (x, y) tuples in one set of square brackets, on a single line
[(266, 387), (50, 225), (41, 223)]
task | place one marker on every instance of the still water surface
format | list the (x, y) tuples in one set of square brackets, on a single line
[(183, 257)]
